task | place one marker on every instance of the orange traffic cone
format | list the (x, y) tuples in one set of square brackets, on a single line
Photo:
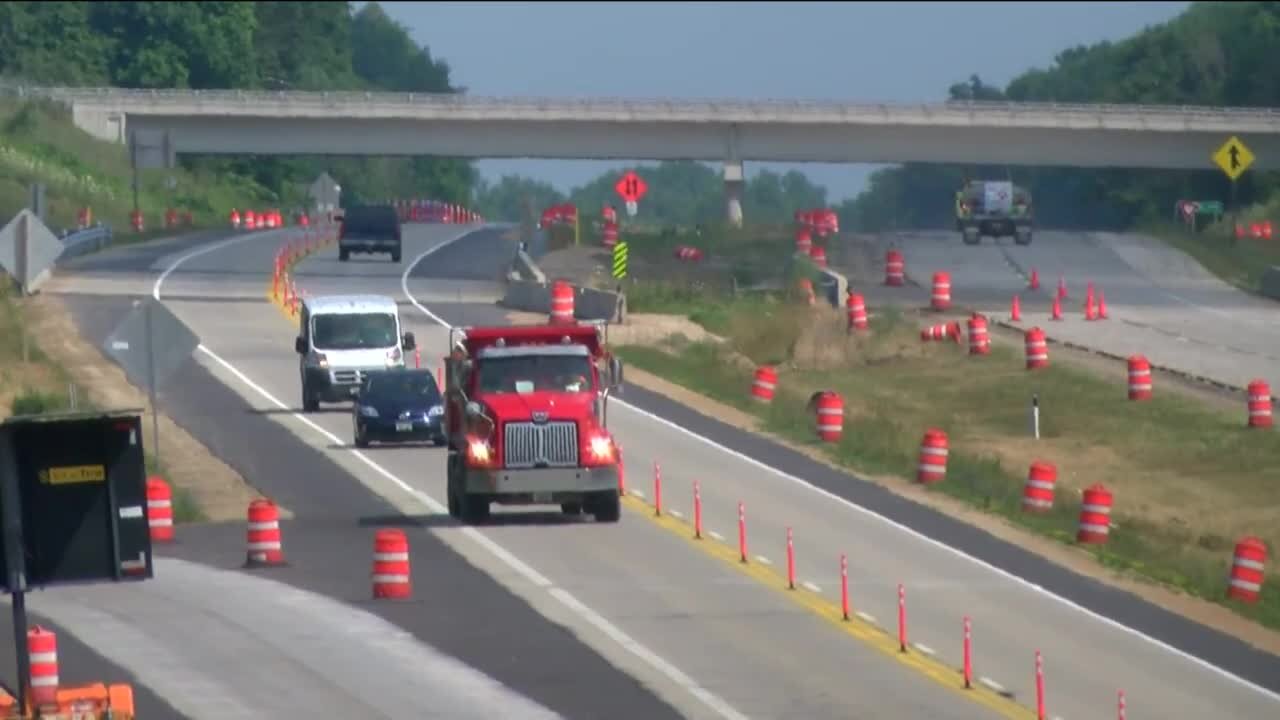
[(1102, 305), (1057, 309), (1062, 287), (1089, 313), (1015, 310), (1035, 280)]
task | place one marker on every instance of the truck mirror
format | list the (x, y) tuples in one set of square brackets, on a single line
[(615, 371), (410, 342), (473, 408), (300, 345)]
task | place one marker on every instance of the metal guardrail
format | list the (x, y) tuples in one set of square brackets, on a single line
[(760, 108), (83, 242)]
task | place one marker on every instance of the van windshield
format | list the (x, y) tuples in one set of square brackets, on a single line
[(535, 373), (353, 331)]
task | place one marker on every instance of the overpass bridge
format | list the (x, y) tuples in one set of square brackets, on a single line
[(728, 131)]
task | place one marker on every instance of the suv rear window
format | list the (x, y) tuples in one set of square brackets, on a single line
[(372, 220)]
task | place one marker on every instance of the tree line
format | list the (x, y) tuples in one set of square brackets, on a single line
[(680, 193), (242, 45), (1212, 54)]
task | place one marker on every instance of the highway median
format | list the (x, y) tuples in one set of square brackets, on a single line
[(1188, 479)]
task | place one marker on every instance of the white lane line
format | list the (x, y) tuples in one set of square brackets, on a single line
[(811, 587), (924, 648), (715, 535), (675, 513), (637, 493), (868, 617), (992, 684), (763, 560), (1038, 589), (673, 673)]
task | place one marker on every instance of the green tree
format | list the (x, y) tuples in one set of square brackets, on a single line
[(184, 45), (505, 200), (51, 42)]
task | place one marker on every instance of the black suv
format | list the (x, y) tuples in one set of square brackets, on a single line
[(369, 229)]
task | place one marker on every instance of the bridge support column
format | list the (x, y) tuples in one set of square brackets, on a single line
[(734, 182)]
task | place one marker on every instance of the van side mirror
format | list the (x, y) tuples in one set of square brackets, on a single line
[(300, 345), (410, 342), (615, 371)]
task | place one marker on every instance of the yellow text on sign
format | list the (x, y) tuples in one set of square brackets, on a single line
[(71, 474), (1234, 157)]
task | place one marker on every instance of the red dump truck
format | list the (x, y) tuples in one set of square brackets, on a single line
[(526, 412)]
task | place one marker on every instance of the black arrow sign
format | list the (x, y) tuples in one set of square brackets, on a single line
[(1234, 152)]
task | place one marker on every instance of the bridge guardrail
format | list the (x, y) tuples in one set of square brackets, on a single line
[(638, 105)]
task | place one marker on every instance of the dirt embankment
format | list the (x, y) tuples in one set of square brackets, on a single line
[(219, 491)]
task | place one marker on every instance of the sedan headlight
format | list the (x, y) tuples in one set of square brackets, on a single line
[(368, 411), (436, 410)]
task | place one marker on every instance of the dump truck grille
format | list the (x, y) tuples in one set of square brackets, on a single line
[(553, 444)]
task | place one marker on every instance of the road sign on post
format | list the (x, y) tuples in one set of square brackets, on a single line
[(620, 260), (631, 187), (150, 344), (1234, 157), (28, 249), (632, 208)]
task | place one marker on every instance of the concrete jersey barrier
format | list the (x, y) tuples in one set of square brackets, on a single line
[(588, 303), (1270, 285)]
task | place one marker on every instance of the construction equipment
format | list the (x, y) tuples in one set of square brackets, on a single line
[(95, 701), (994, 208)]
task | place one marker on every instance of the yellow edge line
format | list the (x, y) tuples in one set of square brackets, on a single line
[(869, 634), (874, 636)]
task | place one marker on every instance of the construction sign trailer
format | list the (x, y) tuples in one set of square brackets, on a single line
[(526, 414), (994, 209)]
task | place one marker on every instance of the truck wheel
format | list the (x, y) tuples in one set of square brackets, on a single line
[(310, 403), (475, 508), (971, 236), (343, 254), (571, 508), (607, 507), (1022, 236)]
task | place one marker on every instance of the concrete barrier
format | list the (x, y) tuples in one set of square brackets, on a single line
[(833, 287), (588, 303), (1270, 285)]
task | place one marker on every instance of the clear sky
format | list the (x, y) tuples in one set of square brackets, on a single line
[(866, 51)]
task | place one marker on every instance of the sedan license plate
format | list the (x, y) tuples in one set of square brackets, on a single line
[(404, 426), (543, 498)]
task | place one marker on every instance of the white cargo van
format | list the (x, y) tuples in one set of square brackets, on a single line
[(343, 337)]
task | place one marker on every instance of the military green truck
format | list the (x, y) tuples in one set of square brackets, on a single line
[(994, 208)]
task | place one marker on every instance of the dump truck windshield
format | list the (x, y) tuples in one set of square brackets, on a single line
[(535, 373)]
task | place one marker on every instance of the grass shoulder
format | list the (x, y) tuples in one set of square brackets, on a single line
[(1188, 479)]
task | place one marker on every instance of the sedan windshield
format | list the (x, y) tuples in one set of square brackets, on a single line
[(407, 385), (353, 331), (535, 373)]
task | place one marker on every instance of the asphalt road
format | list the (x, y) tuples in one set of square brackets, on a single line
[(306, 639), (705, 639), (1161, 303), (1089, 655)]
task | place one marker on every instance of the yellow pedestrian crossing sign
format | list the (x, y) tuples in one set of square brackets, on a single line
[(620, 260), (1233, 157)]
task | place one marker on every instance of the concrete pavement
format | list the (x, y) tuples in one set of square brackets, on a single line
[(1092, 658), (1161, 303), (458, 611)]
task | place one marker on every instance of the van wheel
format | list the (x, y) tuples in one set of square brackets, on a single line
[(310, 403), (395, 256), (343, 254)]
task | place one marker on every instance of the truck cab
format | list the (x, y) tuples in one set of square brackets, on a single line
[(994, 208), (526, 415), (341, 339)]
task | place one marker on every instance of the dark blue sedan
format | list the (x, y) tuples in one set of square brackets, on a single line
[(398, 405)]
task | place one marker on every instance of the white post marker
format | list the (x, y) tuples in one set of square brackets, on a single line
[(632, 208), (1035, 416)]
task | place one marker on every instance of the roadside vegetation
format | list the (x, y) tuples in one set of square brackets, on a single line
[(33, 383), (1188, 480), (1238, 261)]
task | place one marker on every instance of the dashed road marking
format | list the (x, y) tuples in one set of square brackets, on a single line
[(764, 560), (868, 617), (923, 648), (810, 587), (715, 535)]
